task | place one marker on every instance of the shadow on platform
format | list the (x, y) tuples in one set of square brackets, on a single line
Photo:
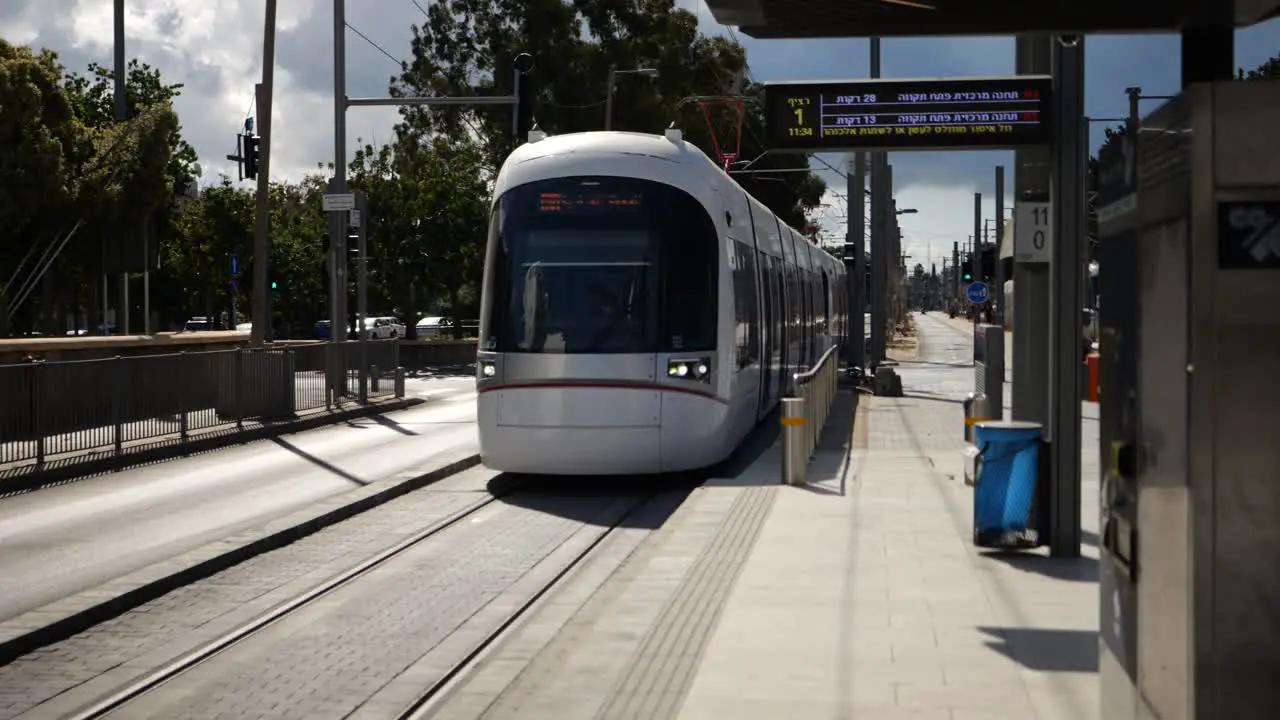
[(1081, 569), (1047, 650)]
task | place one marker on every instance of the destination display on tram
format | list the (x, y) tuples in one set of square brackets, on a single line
[(942, 114), (583, 202)]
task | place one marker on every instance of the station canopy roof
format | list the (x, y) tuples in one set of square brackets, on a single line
[(889, 18)]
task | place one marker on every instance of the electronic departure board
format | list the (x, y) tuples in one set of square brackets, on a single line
[(946, 114)]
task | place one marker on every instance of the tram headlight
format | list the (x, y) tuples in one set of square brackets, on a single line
[(690, 369), (487, 368)]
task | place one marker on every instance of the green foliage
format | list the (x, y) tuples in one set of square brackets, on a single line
[(428, 214), (41, 136), (93, 98), (70, 170), (1269, 70), (71, 165), (467, 47)]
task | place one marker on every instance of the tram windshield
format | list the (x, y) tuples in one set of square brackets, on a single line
[(599, 265)]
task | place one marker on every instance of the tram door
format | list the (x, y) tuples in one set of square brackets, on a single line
[(780, 294), (765, 268)]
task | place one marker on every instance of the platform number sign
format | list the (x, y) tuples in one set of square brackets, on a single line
[(1032, 233), (1248, 235)]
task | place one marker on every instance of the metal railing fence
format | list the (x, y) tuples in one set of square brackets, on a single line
[(55, 411), (804, 415)]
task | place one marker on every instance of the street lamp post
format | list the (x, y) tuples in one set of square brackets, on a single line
[(613, 78)]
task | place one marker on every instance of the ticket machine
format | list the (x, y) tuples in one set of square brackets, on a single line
[(1189, 228)]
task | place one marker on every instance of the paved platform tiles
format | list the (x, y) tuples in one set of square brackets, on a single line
[(874, 603)]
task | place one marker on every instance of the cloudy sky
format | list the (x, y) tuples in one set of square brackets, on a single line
[(214, 47)]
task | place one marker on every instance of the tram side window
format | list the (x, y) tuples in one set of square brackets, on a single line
[(744, 306), (753, 304)]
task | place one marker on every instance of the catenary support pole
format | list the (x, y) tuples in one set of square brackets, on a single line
[(880, 196), (362, 294), (1069, 157), (857, 225), (997, 293), (976, 257), (338, 220)]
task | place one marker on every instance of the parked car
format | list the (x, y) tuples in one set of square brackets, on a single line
[(199, 324), (432, 326), (383, 328)]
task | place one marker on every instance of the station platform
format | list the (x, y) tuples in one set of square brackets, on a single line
[(857, 595), (865, 597)]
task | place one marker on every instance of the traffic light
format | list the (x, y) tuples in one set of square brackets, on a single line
[(988, 268), (525, 92), (966, 270), (275, 285), (250, 154)]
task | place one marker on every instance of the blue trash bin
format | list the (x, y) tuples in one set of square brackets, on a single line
[(1005, 482)]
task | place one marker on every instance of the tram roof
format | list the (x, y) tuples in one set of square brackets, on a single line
[(901, 18)]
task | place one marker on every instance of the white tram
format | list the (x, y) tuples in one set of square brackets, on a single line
[(641, 312)]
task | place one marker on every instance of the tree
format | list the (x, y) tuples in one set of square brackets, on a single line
[(467, 48), (1269, 70), (297, 263), (94, 97), (428, 217), (211, 229), (42, 138)]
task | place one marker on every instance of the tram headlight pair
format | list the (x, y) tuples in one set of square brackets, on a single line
[(487, 368), (690, 369)]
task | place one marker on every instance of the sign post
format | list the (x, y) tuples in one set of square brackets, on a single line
[(978, 293), (235, 289)]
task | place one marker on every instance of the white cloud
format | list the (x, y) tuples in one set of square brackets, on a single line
[(945, 216), (215, 50)]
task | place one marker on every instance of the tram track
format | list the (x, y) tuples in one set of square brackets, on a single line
[(423, 706), (617, 510)]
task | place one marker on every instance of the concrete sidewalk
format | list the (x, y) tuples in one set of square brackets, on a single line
[(864, 596)]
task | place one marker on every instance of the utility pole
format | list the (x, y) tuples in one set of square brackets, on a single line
[(262, 227), (881, 195), (122, 114), (955, 271), (1031, 280), (608, 98)]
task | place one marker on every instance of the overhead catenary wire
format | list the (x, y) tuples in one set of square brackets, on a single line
[(402, 64)]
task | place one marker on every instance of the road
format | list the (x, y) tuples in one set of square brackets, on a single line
[(61, 540)]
